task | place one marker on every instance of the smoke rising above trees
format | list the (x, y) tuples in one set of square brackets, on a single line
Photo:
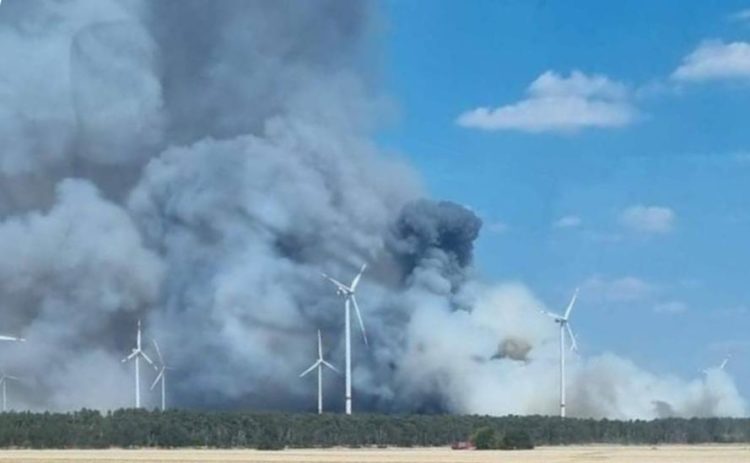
[(198, 164)]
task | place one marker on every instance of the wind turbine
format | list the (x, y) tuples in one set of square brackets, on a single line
[(720, 367), (161, 376), (319, 364), (349, 299), (135, 355), (564, 322), (4, 381)]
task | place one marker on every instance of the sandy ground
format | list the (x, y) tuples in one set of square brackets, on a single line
[(672, 454)]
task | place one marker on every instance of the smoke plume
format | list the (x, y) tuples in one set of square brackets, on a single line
[(197, 165)]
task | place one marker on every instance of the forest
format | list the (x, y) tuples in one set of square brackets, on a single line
[(226, 429)]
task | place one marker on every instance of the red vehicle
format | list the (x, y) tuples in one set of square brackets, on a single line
[(463, 445)]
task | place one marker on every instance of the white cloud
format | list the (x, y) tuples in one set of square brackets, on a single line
[(741, 157), (497, 227), (733, 311), (648, 219), (557, 103), (671, 307), (568, 221), (715, 60), (741, 16), (624, 289), (631, 290)]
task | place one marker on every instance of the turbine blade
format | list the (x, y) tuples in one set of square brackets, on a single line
[(356, 279), (573, 343), (320, 347), (11, 338), (331, 367), (336, 282), (158, 352), (129, 357), (359, 319), (156, 381), (551, 315), (572, 303), (312, 367), (147, 358)]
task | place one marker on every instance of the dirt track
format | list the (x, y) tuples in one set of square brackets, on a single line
[(666, 454)]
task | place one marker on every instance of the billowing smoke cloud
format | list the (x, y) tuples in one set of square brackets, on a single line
[(197, 165)]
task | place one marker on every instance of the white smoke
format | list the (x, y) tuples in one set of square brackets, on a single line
[(197, 164)]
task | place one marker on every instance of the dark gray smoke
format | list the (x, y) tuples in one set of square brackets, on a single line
[(441, 231), (197, 164), (515, 349)]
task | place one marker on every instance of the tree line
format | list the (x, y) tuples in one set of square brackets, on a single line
[(191, 428)]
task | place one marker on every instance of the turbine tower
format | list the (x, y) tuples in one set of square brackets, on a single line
[(135, 355), (162, 376), (4, 381), (319, 364), (564, 322), (347, 292)]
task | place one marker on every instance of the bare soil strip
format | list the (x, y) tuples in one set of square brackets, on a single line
[(613, 454)]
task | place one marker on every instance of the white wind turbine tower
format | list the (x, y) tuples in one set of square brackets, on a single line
[(349, 299), (4, 381), (135, 355), (564, 322), (162, 376), (319, 364)]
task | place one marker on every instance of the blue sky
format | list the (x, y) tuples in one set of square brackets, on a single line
[(613, 153)]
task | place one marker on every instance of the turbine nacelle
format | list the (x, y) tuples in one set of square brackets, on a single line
[(564, 320), (4, 377), (555, 317), (348, 292)]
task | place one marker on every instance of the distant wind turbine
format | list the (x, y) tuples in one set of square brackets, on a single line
[(4, 381), (721, 366), (162, 376), (319, 364), (564, 322), (349, 299), (135, 355)]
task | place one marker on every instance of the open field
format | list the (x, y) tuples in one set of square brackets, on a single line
[(614, 454)]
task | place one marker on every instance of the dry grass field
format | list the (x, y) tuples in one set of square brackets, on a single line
[(614, 454)]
